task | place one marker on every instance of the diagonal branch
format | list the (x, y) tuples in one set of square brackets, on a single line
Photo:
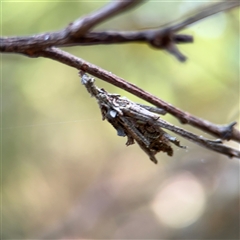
[(214, 145), (204, 13), (226, 132), (82, 25), (138, 123)]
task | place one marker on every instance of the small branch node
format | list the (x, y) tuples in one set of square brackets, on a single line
[(227, 131)]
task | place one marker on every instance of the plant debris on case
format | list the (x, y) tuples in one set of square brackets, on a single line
[(131, 120)]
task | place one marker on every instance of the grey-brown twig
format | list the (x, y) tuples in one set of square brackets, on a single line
[(82, 25), (226, 132), (77, 33), (139, 124)]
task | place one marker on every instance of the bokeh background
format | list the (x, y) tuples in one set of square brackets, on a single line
[(65, 172)]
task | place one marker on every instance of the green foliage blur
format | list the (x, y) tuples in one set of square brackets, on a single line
[(66, 173)]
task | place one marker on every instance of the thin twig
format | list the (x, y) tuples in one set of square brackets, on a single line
[(204, 13), (226, 132), (82, 25), (215, 145), (139, 124)]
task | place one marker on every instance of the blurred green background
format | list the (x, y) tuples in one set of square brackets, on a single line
[(65, 172)]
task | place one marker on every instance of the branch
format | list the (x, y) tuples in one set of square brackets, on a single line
[(73, 31), (215, 145), (138, 124), (86, 23), (204, 13), (76, 33), (225, 132), (119, 37)]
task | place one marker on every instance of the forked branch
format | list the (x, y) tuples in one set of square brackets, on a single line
[(78, 32), (166, 37)]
